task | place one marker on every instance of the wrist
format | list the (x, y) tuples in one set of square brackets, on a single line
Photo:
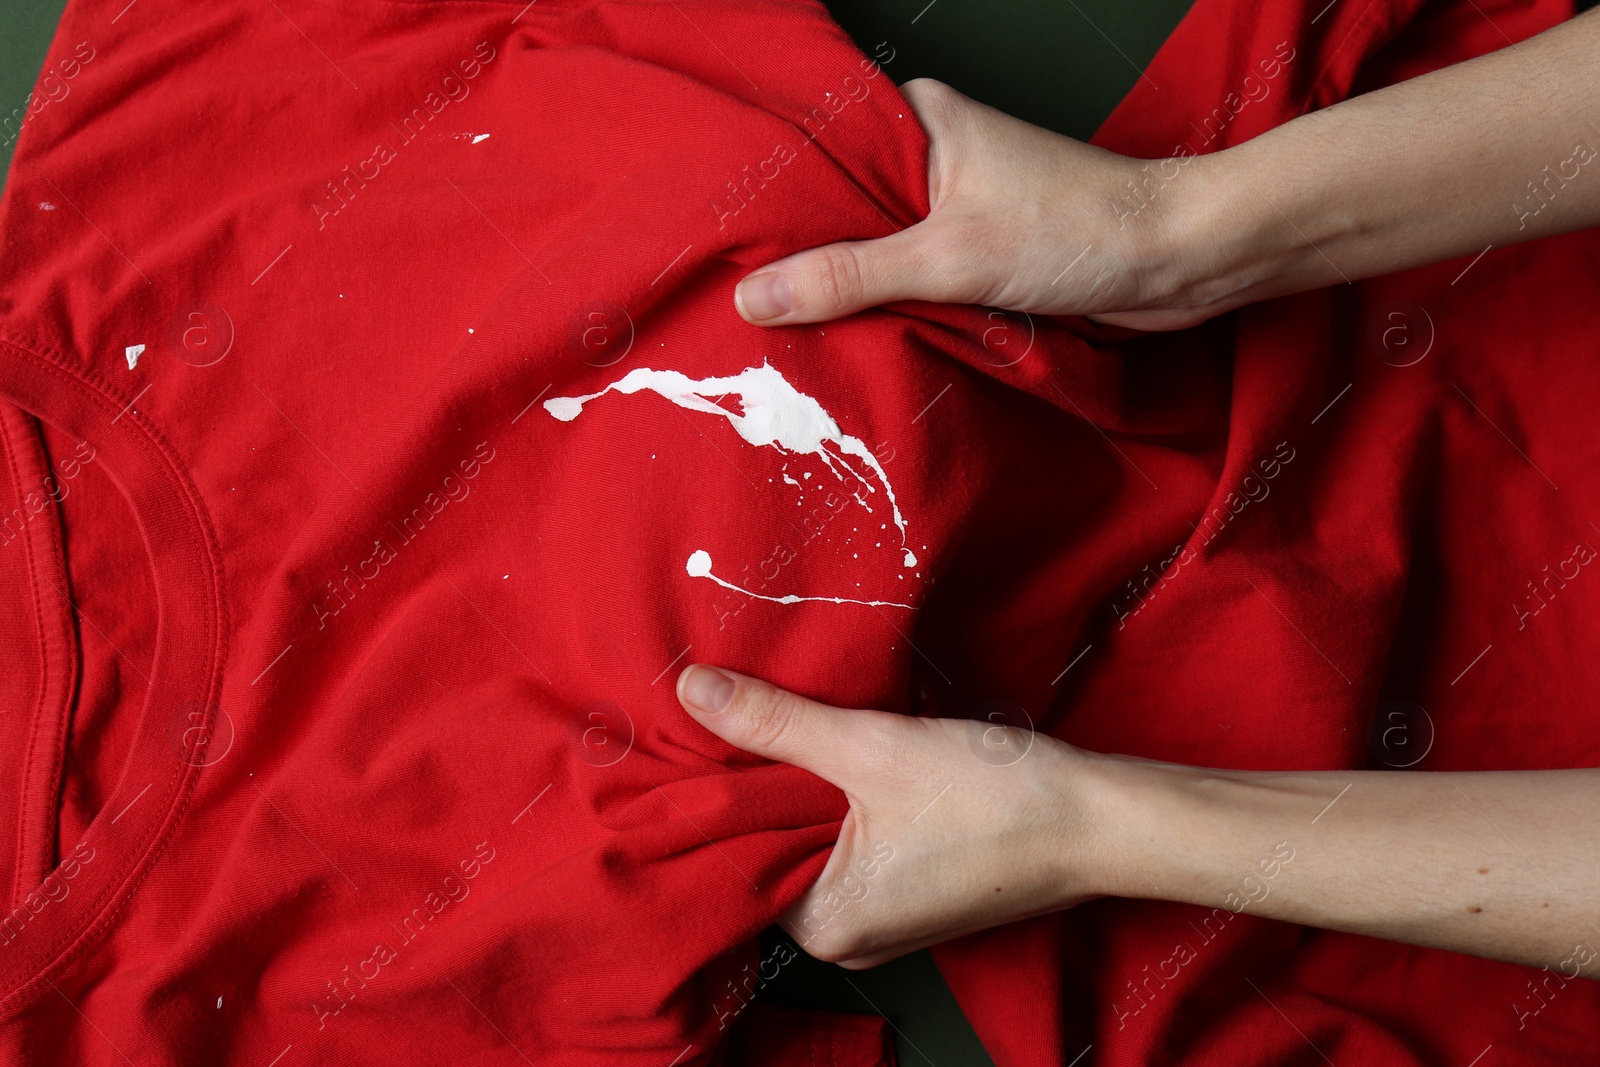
[(1109, 820), (1238, 234), (1164, 831)]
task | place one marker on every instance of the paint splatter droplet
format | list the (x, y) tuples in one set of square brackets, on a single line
[(774, 413)]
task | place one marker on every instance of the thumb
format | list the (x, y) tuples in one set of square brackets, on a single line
[(840, 279), (768, 721)]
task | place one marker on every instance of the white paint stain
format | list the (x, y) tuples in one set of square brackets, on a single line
[(699, 566), (45, 205), (775, 414), (132, 354), (480, 137)]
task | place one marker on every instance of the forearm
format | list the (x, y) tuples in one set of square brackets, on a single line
[(1496, 864), (1493, 151)]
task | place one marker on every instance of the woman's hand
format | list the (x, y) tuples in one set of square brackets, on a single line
[(1021, 218), (1028, 220), (954, 826)]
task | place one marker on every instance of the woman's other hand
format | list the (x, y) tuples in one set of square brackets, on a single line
[(1021, 218), (954, 825)]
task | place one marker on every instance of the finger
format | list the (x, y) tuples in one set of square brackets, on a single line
[(771, 722), (835, 280), (934, 103)]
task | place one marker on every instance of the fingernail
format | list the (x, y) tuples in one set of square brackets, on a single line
[(706, 688), (763, 296)]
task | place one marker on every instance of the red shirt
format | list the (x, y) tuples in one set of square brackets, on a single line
[(341, 617)]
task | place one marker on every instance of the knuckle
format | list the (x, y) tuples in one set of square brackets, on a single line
[(837, 278), (930, 94), (828, 949), (769, 715), (834, 944), (937, 106)]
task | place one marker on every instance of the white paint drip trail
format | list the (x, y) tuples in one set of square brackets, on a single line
[(775, 414), (699, 566)]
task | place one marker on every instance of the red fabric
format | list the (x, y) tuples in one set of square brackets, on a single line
[(770, 1036), (344, 669)]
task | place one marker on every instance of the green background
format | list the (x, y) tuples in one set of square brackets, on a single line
[(26, 27), (1060, 64)]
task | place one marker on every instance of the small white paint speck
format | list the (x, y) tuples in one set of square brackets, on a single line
[(132, 354), (45, 205), (503, 577), (469, 329), (219, 1002), (480, 137)]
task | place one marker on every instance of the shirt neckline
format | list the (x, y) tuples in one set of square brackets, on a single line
[(151, 797)]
